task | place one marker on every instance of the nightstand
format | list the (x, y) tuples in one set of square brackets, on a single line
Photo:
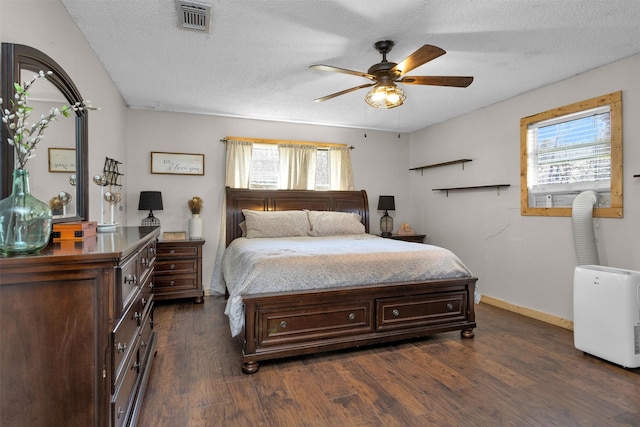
[(417, 238), (178, 270)]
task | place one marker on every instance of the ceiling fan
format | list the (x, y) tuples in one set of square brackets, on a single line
[(384, 76)]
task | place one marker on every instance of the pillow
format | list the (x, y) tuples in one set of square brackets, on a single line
[(275, 223), (329, 223)]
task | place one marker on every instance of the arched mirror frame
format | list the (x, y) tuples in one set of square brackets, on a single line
[(16, 57)]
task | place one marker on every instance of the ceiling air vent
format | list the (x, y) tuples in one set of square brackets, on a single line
[(193, 16)]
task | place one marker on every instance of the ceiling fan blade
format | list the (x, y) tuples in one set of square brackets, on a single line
[(342, 92), (421, 56), (455, 81), (342, 70)]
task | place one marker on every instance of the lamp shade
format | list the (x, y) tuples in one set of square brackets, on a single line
[(386, 203), (150, 200)]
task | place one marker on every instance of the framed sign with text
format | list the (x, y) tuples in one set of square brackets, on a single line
[(62, 160), (177, 163)]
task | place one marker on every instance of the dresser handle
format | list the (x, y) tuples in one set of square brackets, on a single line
[(137, 316), (136, 367), (172, 283), (396, 312), (145, 262), (144, 302), (450, 306), (153, 251), (151, 285), (131, 279), (121, 348), (120, 412), (172, 267), (352, 316), (283, 324), (172, 251), (143, 344)]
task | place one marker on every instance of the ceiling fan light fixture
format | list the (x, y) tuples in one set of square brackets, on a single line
[(385, 96)]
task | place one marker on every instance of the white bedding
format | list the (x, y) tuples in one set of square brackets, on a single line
[(253, 266)]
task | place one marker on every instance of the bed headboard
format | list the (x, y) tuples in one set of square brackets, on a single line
[(283, 200)]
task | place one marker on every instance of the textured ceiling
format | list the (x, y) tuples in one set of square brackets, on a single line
[(254, 62)]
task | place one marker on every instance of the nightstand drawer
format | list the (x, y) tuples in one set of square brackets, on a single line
[(169, 251), (177, 266), (176, 283)]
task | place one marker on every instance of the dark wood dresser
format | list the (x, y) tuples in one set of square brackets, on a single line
[(178, 272), (76, 331)]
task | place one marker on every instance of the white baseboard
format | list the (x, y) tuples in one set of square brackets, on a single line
[(538, 315)]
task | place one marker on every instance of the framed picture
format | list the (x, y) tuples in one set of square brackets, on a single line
[(177, 163), (62, 160), (174, 235)]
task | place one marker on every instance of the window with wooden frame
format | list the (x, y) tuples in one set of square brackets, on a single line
[(571, 149)]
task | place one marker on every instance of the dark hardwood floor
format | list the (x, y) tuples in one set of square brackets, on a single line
[(516, 372)]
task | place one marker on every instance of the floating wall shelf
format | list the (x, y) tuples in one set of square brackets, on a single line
[(436, 165), (475, 187)]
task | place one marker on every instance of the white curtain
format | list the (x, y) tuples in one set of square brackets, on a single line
[(297, 166), (238, 163), (238, 166), (340, 172)]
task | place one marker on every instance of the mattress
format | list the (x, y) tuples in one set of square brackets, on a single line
[(252, 266)]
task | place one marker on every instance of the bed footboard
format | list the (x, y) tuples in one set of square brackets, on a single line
[(281, 325)]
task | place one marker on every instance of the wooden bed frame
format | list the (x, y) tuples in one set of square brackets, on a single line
[(294, 323)]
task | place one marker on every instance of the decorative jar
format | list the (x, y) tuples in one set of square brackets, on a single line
[(25, 222), (195, 227)]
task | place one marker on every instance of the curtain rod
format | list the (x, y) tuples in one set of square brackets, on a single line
[(284, 141)]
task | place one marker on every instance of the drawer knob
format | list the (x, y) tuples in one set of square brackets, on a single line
[(395, 312), (144, 302), (143, 344), (121, 347), (153, 251), (131, 279), (136, 367), (172, 267), (137, 316), (449, 306), (120, 412), (172, 283), (352, 316), (145, 262), (283, 324), (172, 251)]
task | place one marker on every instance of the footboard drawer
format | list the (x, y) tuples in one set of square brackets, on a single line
[(281, 325), (420, 310)]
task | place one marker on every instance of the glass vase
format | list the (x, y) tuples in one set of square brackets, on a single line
[(25, 222)]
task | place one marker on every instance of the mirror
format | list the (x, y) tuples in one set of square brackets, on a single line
[(19, 63)]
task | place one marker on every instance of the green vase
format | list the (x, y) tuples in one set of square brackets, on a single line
[(25, 222)]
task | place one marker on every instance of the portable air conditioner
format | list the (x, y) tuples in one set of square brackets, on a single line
[(606, 313)]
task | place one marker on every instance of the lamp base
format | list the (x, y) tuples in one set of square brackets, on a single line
[(106, 228)]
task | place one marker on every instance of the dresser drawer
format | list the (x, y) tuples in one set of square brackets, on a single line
[(280, 325), (124, 338), (420, 310), (123, 399), (146, 260), (127, 283), (177, 266)]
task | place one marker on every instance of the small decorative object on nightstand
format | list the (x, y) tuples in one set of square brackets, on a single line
[(178, 270), (386, 203), (150, 200)]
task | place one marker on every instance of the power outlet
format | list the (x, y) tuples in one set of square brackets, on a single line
[(549, 201)]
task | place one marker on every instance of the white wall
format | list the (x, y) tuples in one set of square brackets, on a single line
[(526, 261), (379, 166)]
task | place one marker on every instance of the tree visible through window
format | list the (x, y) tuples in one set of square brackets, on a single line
[(572, 149)]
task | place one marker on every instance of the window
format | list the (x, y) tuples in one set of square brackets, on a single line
[(265, 167), (571, 149)]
